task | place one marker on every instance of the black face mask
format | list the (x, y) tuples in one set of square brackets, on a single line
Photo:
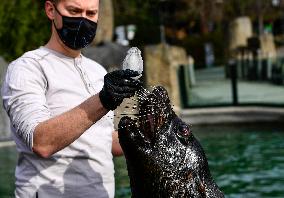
[(76, 32)]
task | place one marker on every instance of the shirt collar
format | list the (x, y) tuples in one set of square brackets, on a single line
[(78, 59)]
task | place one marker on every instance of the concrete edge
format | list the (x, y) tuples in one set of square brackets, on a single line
[(233, 115), (7, 144)]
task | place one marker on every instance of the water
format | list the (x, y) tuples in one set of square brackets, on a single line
[(245, 162), (4, 124)]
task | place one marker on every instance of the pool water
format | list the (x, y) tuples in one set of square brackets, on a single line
[(244, 161), (8, 156)]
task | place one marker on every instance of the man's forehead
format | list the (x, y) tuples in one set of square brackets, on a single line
[(90, 4)]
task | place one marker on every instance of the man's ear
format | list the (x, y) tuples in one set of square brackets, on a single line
[(49, 10)]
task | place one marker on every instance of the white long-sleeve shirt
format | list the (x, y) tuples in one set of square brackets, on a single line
[(38, 86)]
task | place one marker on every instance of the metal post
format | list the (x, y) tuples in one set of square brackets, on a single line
[(259, 65), (269, 66), (191, 71), (233, 70)]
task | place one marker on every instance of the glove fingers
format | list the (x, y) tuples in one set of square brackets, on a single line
[(131, 83), (127, 82), (125, 73), (124, 89), (123, 95), (117, 86)]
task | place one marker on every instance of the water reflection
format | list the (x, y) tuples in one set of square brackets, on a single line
[(246, 162)]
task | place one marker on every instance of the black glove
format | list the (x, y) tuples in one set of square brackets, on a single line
[(117, 86)]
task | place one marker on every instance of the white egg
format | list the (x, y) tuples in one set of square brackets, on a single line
[(133, 60)]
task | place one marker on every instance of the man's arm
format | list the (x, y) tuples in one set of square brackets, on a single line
[(116, 148), (56, 133)]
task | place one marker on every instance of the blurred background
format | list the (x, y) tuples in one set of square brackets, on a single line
[(222, 62)]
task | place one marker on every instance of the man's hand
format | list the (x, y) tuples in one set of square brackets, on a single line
[(117, 86)]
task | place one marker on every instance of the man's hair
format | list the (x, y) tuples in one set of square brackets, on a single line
[(53, 1)]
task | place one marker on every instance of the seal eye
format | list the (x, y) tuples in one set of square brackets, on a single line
[(184, 134), (184, 131)]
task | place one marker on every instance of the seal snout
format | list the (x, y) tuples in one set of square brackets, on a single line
[(154, 111)]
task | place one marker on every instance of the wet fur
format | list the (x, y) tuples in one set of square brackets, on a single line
[(163, 157)]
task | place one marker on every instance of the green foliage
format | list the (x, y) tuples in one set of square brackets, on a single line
[(136, 11), (23, 27)]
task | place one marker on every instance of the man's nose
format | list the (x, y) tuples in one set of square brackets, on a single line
[(83, 14)]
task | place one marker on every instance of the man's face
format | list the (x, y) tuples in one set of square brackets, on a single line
[(76, 8)]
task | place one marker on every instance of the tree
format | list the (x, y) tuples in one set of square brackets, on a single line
[(23, 27), (257, 10)]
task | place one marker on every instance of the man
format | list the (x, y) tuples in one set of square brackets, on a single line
[(59, 106)]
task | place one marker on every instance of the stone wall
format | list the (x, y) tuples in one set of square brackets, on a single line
[(161, 64), (240, 31), (267, 44)]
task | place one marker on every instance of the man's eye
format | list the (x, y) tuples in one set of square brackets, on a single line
[(74, 11), (91, 14), (184, 131)]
